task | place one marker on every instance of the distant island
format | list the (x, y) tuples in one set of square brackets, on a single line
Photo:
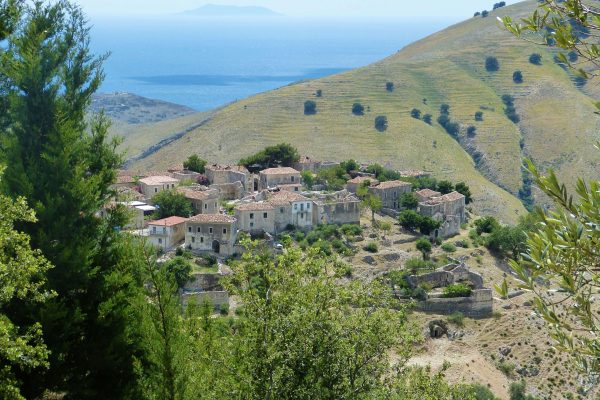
[(215, 10)]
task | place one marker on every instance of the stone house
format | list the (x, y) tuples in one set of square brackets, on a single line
[(306, 163), (426, 194), (215, 233), (202, 200), (166, 233), (291, 208), (186, 175), (390, 193), (256, 218), (124, 180), (353, 184), (449, 209), (230, 174), (339, 208), (152, 185), (273, 177)]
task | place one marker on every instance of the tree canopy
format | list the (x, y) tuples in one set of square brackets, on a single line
[(194, 163), (170, 203), (283, 154)]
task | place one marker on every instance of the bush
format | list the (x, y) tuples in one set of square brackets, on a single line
[(479, 116), (310, 107), (457, 290), (171, 203), (389, 86), (445, 109), (358, 109), (492, 64), (471, 131), (409, 201), (351, 229), (535, 59), (457, 318), (517, 77), (324, 247), (319, 93), (410, 219), (465, 190), (499, 5), (445, 187), (194, 163), (424, 246), (282, 154), (427, 118), (428, 225), (381, 123), (477, 14), (507, 369), (485, 13), (224, 309), (415, 113), (449, 248), (486, 225), (371, 247)]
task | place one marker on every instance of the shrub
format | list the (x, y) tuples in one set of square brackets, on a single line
[(486, 225), (506, 368), (371, 247), (445, 109), (299, 236), (351, 229), (465, 190), (492, 64), (324, 247), (471, 131), (310, 107), (449, 247), (424, 246), (410, 219), (389, 86), (535, 59), (319, 93), (171, 203), (517, 77), (477, 14), (445, 187), (457, 318), (479, 116), (499, 5), (414, 264), (282, 154), (194, 163), (358, 109), (485, 13), (415, 113), (428, 225), (381, 123), (224, 309), (409, 201), (427, 118), (457, 290)]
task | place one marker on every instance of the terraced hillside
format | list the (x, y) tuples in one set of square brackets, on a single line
[(557, 128)]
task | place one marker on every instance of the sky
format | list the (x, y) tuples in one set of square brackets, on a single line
[(300, 8)]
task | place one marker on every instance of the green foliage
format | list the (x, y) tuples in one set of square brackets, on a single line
[(371, 247), (415, 113), (463, 189), (224, 309), (486, 225), (171, 203), (195, 163), (427, 118), (507, 368), (451, 127), (389, 86), (445, 187), (485, 13), (179, 269), (349, 165), (358, 109), (428, 225), (508, 239), (471, 131), (535, 59), (457, 318), (308, 179), (424, 246), (310, 107), (492, 64), (410, 219), (445, 109), (510, 110), (517, 77), (332, 178), (449, 248), (479, 116), (483, 392), (351, 229), (382, 174), (409, 201), (381, 123), (281, 154), (516, 390), (457, 290)]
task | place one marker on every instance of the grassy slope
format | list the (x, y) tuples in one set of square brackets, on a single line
[(447, 67)]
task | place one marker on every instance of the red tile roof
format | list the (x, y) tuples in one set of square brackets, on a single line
[(285, 197), (198, 194), (171, 221), (158, 180), (254, 207), (391, 184), (213, 218), (428, 193)]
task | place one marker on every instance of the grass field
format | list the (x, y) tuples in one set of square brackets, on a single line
[(557, 128)]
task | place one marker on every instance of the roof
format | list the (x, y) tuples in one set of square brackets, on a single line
[(158, 180), (428, 193), (306, 160), (392, 184), (254, 206), (171, 221), (279, 171), (360, 179), (198, 194), (124, 179), (146, 207), (285, 197), (236, 168), (445, 198), (213, 218)]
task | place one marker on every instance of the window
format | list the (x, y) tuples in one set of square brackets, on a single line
[(205, 206), (193, 239), (293, 178), (224, 231), (308, 206), (296, 189), (281, 210), (265, 215), (153, 229), (198, 230), (251, 215), (190, 229), (295, 206), (210, 230), (302, 207), (164, 231), (155, 190), (159, 241), (201, 240), (251, 224)]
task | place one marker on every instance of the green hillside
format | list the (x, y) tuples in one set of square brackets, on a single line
[(557, 125)]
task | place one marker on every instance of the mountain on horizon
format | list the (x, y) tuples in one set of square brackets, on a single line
[(215, 10)]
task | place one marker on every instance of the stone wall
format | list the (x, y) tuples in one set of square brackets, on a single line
[(215, 298), (478, 305)]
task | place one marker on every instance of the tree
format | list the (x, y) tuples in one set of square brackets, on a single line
[(445, 109), (22, 271), (310, 107), (471, 131), (349, 165), (358, 109), (170, 203), (485, 13), (427, 118), (535, 59), (389, 86), (179, 269), (463, 189), (415, 113), (194, 163), (517, 77), (445, 187), (381, 123), (369, 200), (499, 5), (563, 253), (424, 246), (319, 93), (508, 240), (283, 154), (517, 390), (486, 225), (409, 201), (479, 116), (427, 225), (410, 219), (308, 179), (64, 164), (492, 64)]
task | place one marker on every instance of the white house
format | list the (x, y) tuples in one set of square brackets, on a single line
[(167, 233)]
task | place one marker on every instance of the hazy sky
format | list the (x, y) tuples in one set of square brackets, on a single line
[(390, 8)]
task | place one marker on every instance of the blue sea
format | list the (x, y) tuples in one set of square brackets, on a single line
[(204, 63)]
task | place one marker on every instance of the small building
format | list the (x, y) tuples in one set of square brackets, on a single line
[(186, 175), (124, 180), (390, 193), (449, 209), (426, 194), (273, 177), (339, 208), (306, 163), (291, 209), (297, 187), (229, 191), (229, 174), (353, 184), (216, 233), (202, 200), (152, 185), (256, 218), (166, 233)]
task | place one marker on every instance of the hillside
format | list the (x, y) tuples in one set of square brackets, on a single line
[(557, 125)]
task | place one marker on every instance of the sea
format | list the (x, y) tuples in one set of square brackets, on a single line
[(204, 63)]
